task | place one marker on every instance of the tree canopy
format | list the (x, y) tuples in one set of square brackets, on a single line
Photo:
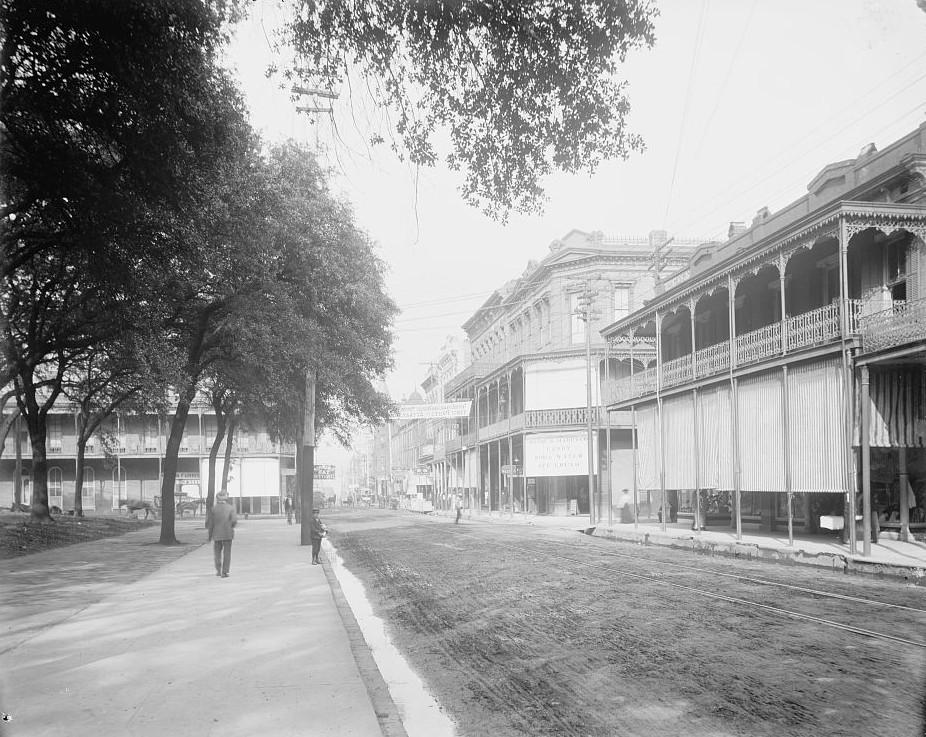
[(524, 88)]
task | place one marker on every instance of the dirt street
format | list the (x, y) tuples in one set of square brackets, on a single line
[(522, 630)]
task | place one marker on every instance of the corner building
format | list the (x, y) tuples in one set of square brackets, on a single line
[(786, 373), (524, 446)]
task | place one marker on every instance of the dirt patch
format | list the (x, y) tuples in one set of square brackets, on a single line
[(538, 637), (21, 535)]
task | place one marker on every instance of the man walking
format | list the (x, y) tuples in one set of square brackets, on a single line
[(221, 522), (317, 531)]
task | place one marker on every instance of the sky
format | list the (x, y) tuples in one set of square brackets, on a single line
[(741, 103)]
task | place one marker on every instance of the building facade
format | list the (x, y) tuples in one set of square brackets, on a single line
[(538, 360), (782, 382), (125, 461)]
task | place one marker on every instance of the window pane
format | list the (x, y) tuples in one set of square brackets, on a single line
[(578, 324), (621, 302)]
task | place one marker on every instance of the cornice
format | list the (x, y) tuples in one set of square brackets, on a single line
[(777, 249)]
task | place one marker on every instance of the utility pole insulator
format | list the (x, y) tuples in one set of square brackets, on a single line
[(297, 90)]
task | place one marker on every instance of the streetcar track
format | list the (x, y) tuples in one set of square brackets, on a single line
[(766, 582), (778, 611)]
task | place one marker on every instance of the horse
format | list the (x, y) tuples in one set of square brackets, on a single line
[(191, 506), (134, 505)]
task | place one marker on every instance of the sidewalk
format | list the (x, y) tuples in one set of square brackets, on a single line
[(893, 558), (181, 651)]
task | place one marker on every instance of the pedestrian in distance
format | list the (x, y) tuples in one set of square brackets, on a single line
[(288, 505), (459, 512), (220, 522), (624, 504), (317, 531)]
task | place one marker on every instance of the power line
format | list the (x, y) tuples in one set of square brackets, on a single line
[(703, 213), (691, 72), (683, 220), (723, 85), (445, 300)]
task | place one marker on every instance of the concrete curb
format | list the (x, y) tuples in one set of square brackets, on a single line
[(386, 711), (914, 574)]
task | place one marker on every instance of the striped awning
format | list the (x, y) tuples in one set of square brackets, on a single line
[(897, 400)]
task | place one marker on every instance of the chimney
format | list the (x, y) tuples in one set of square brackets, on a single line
[(761, 216), (658, 237), (737, 228)]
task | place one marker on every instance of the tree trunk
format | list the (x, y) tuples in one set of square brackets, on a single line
[(177, 428), (213, 455), (40, 511), (79, 478), (35, 421), (232, 424), (7, 423), (18, 478)]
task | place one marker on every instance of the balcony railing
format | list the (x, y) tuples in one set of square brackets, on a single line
[(569, 416), (902, 323), (758, 344), (712, 360), (815, 327), (677, 371)]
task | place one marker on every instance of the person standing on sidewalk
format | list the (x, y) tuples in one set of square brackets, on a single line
[(221, 522), (317, 531), (289, 510)]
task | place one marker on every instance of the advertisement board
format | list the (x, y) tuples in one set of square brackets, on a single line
[(432, 411), (558, 454)]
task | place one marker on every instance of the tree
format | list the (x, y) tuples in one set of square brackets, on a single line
[(121, 374), (337, 285), (110, 113), (216, 299), (524, 88)]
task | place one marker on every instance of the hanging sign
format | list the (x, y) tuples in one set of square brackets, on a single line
[(324, 472), (432, 411)]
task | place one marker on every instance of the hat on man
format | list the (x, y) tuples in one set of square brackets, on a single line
[(316, 510)]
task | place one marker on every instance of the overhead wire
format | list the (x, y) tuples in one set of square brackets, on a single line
[(687, 218), (696, 53)]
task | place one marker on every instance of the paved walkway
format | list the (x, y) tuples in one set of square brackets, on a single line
[(125, 637)]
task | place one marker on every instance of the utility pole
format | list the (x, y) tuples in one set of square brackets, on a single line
[(587, 314), (307, 462), (658, 263), (314, 107)]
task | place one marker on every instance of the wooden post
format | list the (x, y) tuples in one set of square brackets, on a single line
[(905, 491), (307, 461), (662, 436), (786, 414), (866, 464), (607, 431)]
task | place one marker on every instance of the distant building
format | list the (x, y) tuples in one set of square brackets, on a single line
[(125, 462)]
